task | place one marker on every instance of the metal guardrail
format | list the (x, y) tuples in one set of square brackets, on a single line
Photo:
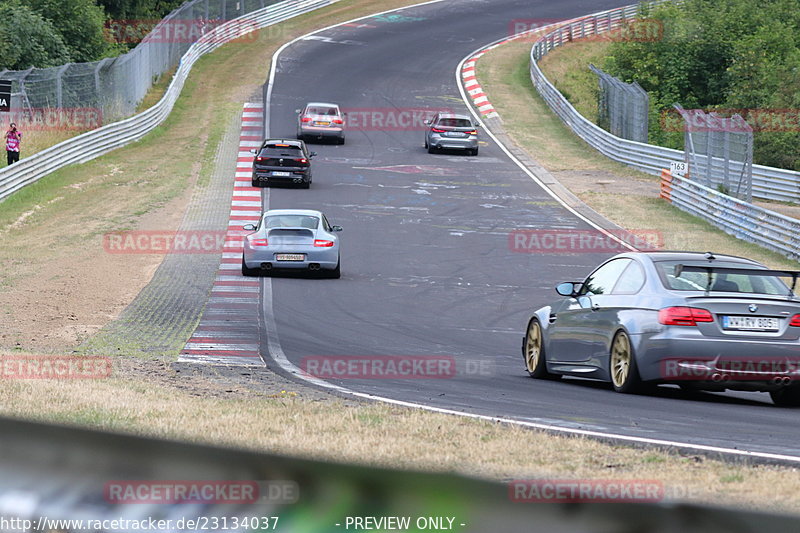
[(102, 140), (769, 183), (735, 217)]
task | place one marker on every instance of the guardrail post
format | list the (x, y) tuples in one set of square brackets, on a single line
[(60, 85), (666, 185)]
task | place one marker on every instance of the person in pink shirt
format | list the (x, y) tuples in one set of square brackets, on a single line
[(13, 140)]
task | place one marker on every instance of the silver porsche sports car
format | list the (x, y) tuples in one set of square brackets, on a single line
[(292, 240), (701, 321)]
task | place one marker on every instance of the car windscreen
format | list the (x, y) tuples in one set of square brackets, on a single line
[(291, 221), (698, 281), (329, 111), (455, 122)]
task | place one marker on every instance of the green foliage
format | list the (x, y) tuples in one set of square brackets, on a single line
[(731, 55), (47, 33), (27, 39), (80, 23)]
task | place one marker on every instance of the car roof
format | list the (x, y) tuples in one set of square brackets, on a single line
[(674, 255), (322, 104), (307, 212), (293, 142), (454, 115)]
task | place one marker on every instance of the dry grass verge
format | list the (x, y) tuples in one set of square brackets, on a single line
[(377, 434)]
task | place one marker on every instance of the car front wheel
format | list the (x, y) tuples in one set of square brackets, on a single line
[(533, 352)]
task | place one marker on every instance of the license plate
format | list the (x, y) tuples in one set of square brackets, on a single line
[(322, 123), (454, 134), (290, 257), (281, 173), (750, 323)]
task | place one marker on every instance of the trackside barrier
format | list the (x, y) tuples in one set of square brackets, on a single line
[(102, 140), (109, 482), (735, 217), (769, 183)]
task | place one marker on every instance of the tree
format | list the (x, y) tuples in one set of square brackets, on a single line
[(81, 25), (27, 39)]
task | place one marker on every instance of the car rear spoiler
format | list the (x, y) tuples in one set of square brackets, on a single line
[(794, 274)]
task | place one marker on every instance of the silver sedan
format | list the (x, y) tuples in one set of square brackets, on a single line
[(318, 120), (292, 240), (697, 320), (448, 131)]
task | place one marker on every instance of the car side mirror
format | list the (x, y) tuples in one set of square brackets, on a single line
[(253, 151), (336, 228), (312, 154), (297, 110), (426, 122), (249, 227), (567, 288)]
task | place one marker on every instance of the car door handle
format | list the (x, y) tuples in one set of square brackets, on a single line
[(595, 307), (552, 318)]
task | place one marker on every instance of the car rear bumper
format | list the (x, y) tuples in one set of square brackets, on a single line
[(321, 131), (326, 259), (453, 143), (267, 177), (706, 361)]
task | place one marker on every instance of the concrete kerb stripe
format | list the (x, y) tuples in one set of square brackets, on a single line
[(234, 296)]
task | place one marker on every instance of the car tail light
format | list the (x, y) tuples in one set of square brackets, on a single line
[(338, 121), (320, 243), (473, 132), (305, 120), (259, 159), (795, 321), (301, 160), (684, 316), (258, 242), (438, 130)]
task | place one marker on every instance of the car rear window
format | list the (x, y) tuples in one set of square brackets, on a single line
[(698, 281), (291, 221), (455, 122), (330, 111), (278, 151)]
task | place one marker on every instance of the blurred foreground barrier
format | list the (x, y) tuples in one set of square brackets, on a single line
[(106, 482)]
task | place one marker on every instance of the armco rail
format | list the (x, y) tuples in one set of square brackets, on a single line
[(768, 183), (740, 219), (97, 142)]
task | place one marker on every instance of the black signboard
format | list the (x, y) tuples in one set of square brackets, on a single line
[(5, 96)]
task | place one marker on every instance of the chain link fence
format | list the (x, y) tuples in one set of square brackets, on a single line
[(719, 151), (115, 86), (622, 108)]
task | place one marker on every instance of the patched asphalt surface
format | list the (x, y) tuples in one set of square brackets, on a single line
[(427, 268)]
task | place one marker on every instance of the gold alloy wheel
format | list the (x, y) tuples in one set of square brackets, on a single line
[(533, 346), (620, 359)]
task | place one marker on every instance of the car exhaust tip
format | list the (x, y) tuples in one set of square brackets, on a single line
[(781, 380), (313, 266), (716, 377), (266, 266)]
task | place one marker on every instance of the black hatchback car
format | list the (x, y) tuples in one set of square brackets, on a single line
[(281, 161)]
